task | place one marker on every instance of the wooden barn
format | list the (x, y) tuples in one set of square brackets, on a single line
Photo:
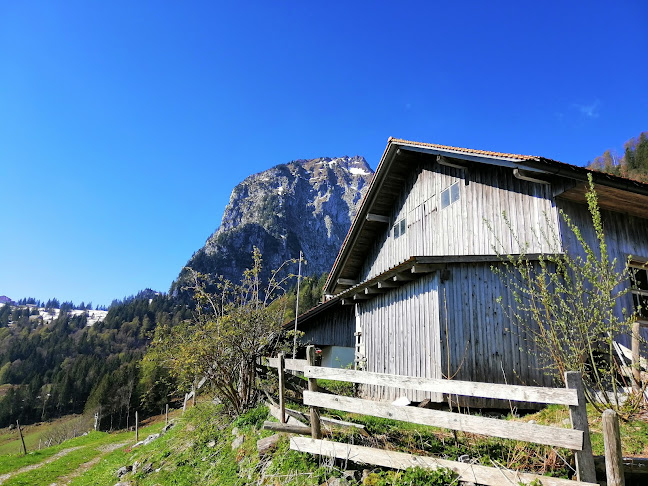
[(412, 291)]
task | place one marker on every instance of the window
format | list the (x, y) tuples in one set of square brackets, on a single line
[(399, 228), (450, 195), (640, 289)]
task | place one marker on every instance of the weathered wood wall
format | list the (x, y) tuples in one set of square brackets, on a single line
[(485, 192), (332, 328), (400, 333), (478, 340)]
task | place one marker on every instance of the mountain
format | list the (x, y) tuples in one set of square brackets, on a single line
[(305, 205)]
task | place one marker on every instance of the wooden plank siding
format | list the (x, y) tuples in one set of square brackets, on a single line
[(401, 336), (478, 340), (485, 192), (333, 328)]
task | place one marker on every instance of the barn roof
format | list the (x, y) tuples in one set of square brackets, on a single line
[(402, 156)]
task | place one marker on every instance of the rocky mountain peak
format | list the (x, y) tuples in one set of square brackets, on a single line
[(305, 205)]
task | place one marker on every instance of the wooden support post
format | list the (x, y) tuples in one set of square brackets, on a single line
[(636, 357), (613, 458), (578, 413), (281, 369), (166, 415), (184, 405), (136, 427), (193, 391), (316, 428), (24, 447)]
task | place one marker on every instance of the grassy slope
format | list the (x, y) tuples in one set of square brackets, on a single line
[(198, 451)]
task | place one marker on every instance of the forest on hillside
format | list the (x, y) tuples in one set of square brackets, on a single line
[(633, 163), (53, 368)]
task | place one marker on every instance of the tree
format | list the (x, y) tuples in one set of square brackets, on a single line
[(571, 306), (233, 326)]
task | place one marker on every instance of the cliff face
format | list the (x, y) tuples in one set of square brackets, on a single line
[(304, 205)]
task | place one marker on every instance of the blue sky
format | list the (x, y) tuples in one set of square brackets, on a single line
[(125, 125)]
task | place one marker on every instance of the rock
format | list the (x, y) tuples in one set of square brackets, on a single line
[(351, 474), (269, 443), (401, 402), (306, 204), (427, 403), (123, 483), (122, 471), (167, 427), (147, 468), (136, 466), (337, 482), (365, 475), (211, 444), (235, 431), (531, 422), (12, 426), (238, 442)]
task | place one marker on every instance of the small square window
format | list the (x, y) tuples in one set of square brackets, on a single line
[(450, 195), (454, 192), (445, 199), (400, 227)]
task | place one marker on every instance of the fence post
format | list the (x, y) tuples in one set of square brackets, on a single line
[(578, 413), (636, 361), (24, 448), (166, 415), (282, 387), (613, 458), (316, 428), (136, 427)]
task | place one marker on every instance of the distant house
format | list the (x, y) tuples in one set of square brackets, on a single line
[(412, 291)]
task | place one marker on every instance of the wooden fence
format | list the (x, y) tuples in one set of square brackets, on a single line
[(576, 438)]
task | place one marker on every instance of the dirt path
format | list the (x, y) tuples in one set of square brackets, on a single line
[(53, 458), (65, 480)]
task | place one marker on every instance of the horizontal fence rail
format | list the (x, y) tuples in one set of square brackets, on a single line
[(290, 364), (541, 434), (471, 473), (535, 394)]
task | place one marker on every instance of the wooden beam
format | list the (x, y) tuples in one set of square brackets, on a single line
[(445, 161), (525, 175), (361, 296), (347, 302), (291, 364), (426, 267), (347, 282), (378, 218), (386, 284), (578, 414), (374, 290), (402, 277), (540, 434), (612, 443), (290, 429), (469, 473), (534, 394)]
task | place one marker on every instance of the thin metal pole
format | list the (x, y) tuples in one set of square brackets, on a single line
[(297, 307)]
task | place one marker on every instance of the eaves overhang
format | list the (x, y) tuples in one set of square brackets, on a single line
[(393, 164)]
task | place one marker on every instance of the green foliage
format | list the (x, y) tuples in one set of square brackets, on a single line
[(568, 304), (413, 476), (232, 328), (252, 418), (633, 164)]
